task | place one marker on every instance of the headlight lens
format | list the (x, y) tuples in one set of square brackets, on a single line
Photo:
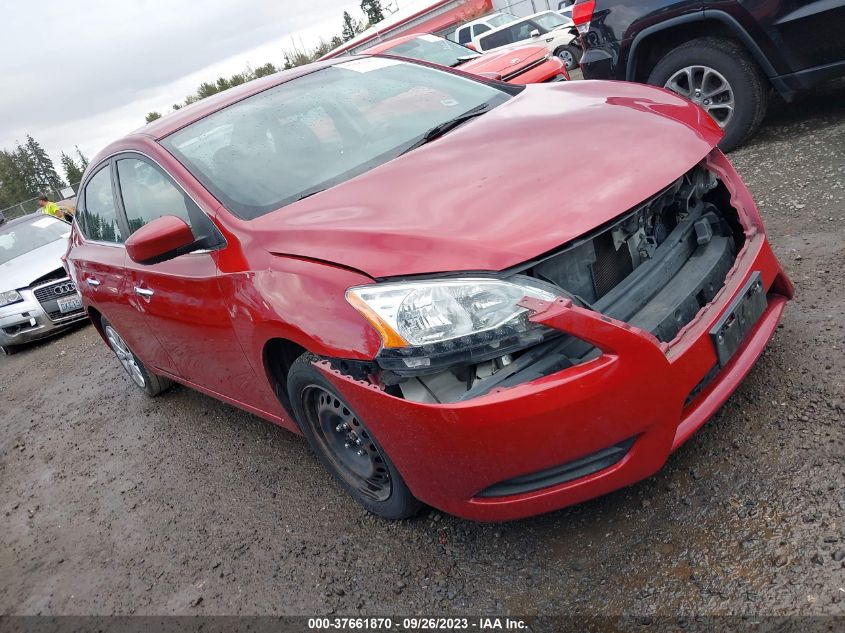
[(422, 313), (9, 297)]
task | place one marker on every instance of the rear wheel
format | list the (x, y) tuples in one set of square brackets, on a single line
[(345, 445), (148, 382), (718, 75)]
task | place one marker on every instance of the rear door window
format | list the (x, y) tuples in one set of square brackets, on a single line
[(99, 219), (499, 38)]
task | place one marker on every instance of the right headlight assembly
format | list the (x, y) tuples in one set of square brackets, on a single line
[(431, 324)]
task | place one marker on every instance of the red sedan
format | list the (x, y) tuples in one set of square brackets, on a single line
[(386, 257), (522, 65)]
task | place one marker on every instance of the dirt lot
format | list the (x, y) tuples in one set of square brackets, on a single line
[(115, 503)]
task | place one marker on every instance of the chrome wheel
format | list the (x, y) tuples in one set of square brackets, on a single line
[(706, 87), (347, 443), (125, 356)]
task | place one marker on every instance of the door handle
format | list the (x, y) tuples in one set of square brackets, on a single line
[(93, 282), (144, 292)]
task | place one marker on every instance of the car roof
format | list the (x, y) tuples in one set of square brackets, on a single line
[(484, 19), (387, 45)]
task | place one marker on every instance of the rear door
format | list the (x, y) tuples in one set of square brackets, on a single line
[(180, 299), (805, 34), (99, 262)]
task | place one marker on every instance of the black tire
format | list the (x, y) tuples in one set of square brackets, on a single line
[(570, 55), (750, 88), (317, 406), (148, 382), (9, 350)]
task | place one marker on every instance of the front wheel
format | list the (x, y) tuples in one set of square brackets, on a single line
[(148, 382), (718, 75), (345, 445), (570, 56)]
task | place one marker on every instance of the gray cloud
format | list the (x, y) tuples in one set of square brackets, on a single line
[(63, 63)]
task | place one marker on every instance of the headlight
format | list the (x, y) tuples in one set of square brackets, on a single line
[(421, 321), (12, 296)]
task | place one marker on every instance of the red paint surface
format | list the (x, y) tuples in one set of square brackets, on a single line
[(158, 237), (491, 194)]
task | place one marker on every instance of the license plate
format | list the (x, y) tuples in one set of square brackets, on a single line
[(69, 304), (739, 319)]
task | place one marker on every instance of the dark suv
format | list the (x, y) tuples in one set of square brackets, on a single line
[(724, 55)]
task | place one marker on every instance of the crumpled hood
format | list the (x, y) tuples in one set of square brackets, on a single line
[(534, 173), (504, 62), (22, 271)]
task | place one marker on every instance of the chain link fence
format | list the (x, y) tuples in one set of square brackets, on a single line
[(31, 206)]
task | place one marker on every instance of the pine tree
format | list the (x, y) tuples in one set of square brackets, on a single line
[(372, 9), (13, 187), (46, 175), (152, 116), (73, 172), (350, 27), (83, 160), (28, 171)]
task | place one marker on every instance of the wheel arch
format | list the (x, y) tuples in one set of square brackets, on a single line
[(655, 41), (97, 321), (278, 356)]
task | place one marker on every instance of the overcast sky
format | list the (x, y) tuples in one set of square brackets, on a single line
[(85, 72)]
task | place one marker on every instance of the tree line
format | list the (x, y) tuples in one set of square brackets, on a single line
[(293, 57), (27, 171)]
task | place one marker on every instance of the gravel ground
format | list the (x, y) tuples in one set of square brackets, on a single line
[(115, 503)]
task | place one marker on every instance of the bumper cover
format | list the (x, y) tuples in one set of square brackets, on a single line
[(27, 321), (637, 388)]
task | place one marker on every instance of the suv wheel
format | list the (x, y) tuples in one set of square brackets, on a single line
[(344, 444), (147, 381), (570, 56), (719, 76)]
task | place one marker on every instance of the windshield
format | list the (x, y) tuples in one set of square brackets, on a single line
[(22, 237), (500, 19), (550, 20), (430, 48), (321, 129)]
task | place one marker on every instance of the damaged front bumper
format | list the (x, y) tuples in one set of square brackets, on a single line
[(596, 426)]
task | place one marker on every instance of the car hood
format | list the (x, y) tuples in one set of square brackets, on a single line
[(504, 62), (21, 271), (532, 174)]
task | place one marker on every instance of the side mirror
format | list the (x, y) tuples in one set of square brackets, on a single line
[(493, 76), (471, 47), (162, 239), (535, 33)]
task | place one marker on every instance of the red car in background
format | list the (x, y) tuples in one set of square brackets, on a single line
[(523, 65), (386, 256)]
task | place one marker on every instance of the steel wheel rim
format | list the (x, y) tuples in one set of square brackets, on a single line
[(125, 356), (347, 443), (706, 87), (567, 58)]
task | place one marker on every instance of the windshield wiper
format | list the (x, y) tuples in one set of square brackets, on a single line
[(308, 194), (441, 128), (462, 60)]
